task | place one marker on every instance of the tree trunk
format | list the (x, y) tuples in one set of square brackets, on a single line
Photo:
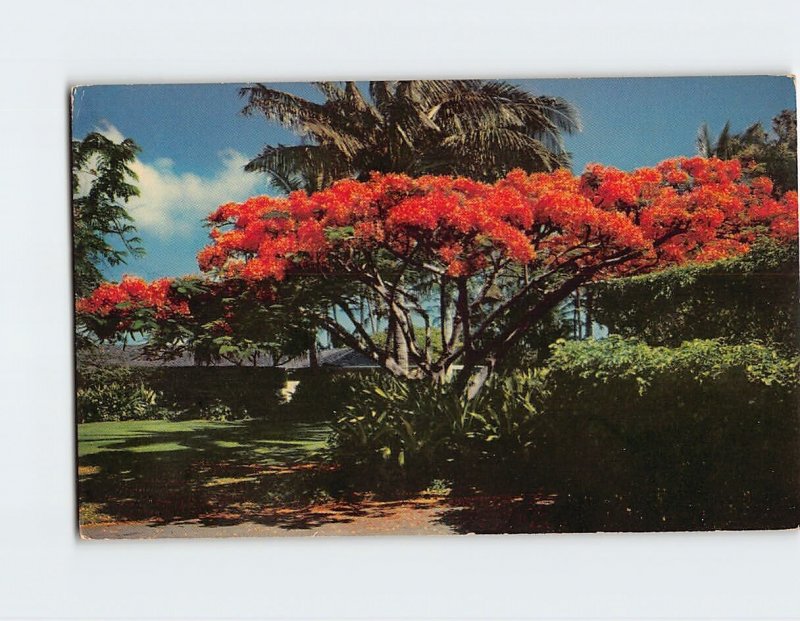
[(313, 361), (400, 347), (588, 307)]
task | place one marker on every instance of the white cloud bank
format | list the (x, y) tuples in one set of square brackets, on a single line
[(174, 204)]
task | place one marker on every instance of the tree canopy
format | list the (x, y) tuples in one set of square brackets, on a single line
[(101, 224), (761, 153), (502, 255)]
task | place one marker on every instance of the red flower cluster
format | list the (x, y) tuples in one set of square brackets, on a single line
[(686, 209), (132, 294), (683, 209)]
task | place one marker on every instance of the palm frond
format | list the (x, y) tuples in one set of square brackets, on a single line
[(703, 141), (490, 153), (755, 134), (723, 147), (332, 90), (299, 167), (303, 117)]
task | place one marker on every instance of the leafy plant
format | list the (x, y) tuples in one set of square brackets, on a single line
[(116, 393)]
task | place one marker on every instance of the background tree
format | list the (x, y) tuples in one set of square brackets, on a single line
[(475, 128), (510, 252), (754, 297), (763, 154), (103, 232)]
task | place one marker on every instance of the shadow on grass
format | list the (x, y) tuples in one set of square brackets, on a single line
[(159, 473), (206, 473)]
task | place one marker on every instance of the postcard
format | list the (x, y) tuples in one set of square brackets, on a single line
[(436, 307)]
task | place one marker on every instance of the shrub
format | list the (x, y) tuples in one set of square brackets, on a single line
[(200, 392), (115, 393), (393, 434), (751, 297), (704, 435), (321, 392), (629, 437), (408, 433)]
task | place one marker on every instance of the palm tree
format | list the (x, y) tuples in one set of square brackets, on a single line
[(476, 128), (727, 145), (772, 155)]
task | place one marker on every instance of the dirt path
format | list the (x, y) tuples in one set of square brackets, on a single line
[(420, 516), (423, 515)]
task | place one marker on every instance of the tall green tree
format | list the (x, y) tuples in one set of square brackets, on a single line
[(102, 229), (773, 155), (474, 128)]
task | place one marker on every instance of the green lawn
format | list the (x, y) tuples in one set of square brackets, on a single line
[(166, 472)]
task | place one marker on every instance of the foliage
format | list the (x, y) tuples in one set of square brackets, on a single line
[(116, 393), (101, 185), (628, 436), (228, 393), (500, 258), (747, 298), (704, 435), (475, 128), (395, 434), (219, 393), (774, 156), (321, 393), (218, 411), (398, 434), (230, 321)]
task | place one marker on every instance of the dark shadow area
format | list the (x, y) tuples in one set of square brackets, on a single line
[(212, 475)]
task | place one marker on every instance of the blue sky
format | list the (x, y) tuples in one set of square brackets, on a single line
[(194, 141)]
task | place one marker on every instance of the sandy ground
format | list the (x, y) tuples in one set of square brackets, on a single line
[(414, 517), (423, 515)]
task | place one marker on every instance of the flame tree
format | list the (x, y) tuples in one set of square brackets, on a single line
[(496, 258)]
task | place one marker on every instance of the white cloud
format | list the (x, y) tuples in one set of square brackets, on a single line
[(173, 204), (110, 132)]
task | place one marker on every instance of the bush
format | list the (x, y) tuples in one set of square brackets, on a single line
[(393, 434), (747, 298), (218, 392), (408, 433), (700, 436), (115, 393), (321, 392), (629, 437), (215, 393)]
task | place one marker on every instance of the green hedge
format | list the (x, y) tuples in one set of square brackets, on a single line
[(628, 436), (114, 393), (754, 297), (704, 435)]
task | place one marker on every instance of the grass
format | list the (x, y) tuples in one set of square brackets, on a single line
[(167, 471), (122, 435)]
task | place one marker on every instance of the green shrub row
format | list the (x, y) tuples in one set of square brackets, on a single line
[(703, 435), (628, 436), (115, 394), (218, 393), (743, 299)]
